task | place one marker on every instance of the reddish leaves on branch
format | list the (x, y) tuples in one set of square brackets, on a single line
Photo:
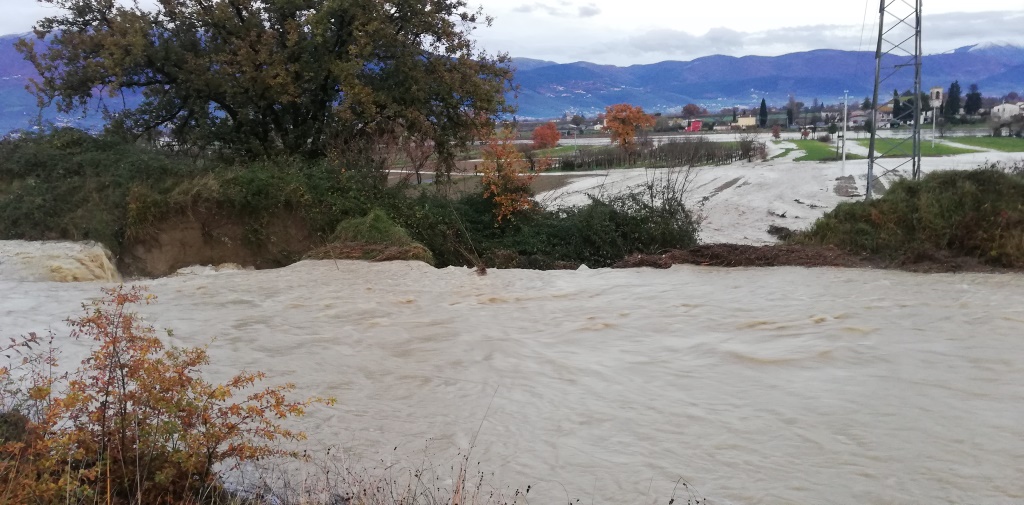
[(506, 175), (546, 136), (136, 423), (624, 121)]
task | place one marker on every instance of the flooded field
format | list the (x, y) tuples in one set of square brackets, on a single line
[(780, 385)]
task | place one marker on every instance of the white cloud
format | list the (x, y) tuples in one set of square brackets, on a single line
[(620, 46), (539, 7), (616, 32), (589, 11)]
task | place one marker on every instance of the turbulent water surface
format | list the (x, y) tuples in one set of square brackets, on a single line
[(780, 385)]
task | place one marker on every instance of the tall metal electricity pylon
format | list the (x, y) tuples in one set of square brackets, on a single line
[(897, 62)]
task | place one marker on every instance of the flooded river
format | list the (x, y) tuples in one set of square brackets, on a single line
[(781, 385)]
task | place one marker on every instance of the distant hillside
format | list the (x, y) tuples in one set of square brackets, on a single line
[(716, 82), (548, 89)]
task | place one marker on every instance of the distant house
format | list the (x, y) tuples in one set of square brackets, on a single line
[(860, 117), (884, 114), (1007, 110), (746, 122), (857, 118)]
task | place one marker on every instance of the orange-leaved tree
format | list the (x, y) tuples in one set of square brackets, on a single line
[(624, 121), (506, 175), (136, 423), (546, 136)]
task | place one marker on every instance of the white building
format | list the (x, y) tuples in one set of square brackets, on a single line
[(1007, 110)]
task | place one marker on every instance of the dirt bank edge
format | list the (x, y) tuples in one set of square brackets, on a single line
[(779, 255)]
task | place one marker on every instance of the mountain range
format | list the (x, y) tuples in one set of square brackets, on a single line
[(549, 89)]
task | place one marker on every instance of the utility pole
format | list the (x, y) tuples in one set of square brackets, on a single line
[(899, 44), (846, 108), (933, 126)]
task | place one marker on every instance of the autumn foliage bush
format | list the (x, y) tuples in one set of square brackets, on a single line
[(135, 423), (507, 176)]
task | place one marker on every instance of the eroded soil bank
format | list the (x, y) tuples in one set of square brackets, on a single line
[(779, 255), (210, 238), (213, 238)]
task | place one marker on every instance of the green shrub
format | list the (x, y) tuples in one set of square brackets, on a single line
[(374, 228), (69, 185), (646, 219), (977, 213), (66, 184)]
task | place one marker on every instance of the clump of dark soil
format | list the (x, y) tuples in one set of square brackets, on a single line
[(736, 255), (780, 232), (371, 252)]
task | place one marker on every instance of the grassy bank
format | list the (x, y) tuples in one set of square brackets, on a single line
[(1004, 144), (897, 148), (71, 186), (815, 150), (977, 214)]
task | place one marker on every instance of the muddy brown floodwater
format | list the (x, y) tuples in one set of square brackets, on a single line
[(772, 385)]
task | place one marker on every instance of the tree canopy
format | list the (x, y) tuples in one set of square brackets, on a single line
[(625, 121), (266, 77), (972, 102), (762, 114), (952, 105), (546, 136), (692, 110)]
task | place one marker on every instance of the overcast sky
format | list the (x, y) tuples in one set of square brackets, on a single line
[(644, 31)]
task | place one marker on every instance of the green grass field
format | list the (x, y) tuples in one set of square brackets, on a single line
[(785, 152), (560, 150), (1005, 144), (883, 146), (820, 151)]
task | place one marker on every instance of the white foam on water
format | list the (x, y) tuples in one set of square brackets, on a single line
[(56, 261)]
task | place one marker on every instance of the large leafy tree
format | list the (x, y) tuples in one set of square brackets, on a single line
[(266, 77), (624, 121), (692, 110)]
